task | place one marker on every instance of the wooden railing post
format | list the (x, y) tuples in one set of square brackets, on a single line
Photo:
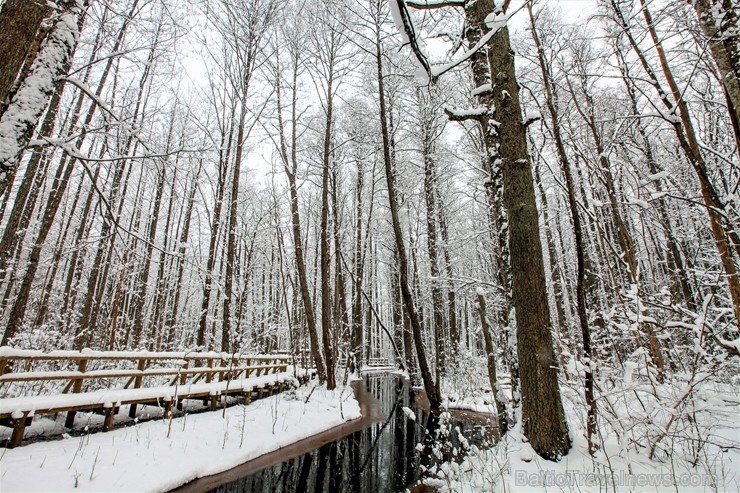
[(137, 384), (222, 364), (76, 389), (184, 375), (19, 427), (209, 375)]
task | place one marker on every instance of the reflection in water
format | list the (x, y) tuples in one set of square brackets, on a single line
[(384, 457)]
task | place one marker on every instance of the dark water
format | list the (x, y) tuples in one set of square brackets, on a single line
[(389, 455)]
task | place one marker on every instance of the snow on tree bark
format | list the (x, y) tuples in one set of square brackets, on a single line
[(25, 108), (23, 32)]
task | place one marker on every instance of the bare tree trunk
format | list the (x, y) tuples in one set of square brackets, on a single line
[(580, 247), (543, 419), (454, 330), (30, 186), (431, 387), (340, 293), (116, 303), (427, 150), (498, 397), (326, 305), (557, 282), (476, 13), (231, 227), (224, 156), (359, 271), (171, 321), (724, 42), (290, 164), (142, 287)]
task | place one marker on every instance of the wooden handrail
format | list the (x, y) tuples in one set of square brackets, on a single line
[(220, 366), (223, 374), (8, 353)]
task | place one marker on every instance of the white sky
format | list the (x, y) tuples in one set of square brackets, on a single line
[(259, 151), (573, 11)]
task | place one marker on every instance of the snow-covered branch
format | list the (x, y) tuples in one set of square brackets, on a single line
[(406, 27), (460, 115), (434, 4), (495, 22)]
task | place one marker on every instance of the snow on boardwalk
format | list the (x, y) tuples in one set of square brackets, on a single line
[(113, 397), (164, 454)]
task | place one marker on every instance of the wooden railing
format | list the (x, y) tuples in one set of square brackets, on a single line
[(378, 362), (34, 382)]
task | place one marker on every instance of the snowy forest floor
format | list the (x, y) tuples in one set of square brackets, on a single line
[(160, 455), (698, 456)]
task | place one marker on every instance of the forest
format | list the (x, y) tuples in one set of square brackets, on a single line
[(529, 204)]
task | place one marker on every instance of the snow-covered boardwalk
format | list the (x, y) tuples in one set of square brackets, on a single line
[(160, 455), (103, 381)]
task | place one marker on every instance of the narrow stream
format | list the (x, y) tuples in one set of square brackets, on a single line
[(387, 450)]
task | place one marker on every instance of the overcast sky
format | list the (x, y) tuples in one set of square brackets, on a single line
[(573, 10)]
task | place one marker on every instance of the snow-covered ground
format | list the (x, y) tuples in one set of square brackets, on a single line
[(689, 424), (163, 454), (684, 464)]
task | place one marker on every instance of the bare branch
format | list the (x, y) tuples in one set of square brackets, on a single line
[(434, 4)]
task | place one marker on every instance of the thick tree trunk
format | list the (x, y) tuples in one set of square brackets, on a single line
[(30, 186), (476, 13), (22, 33), (543, 419), (28, 103)]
